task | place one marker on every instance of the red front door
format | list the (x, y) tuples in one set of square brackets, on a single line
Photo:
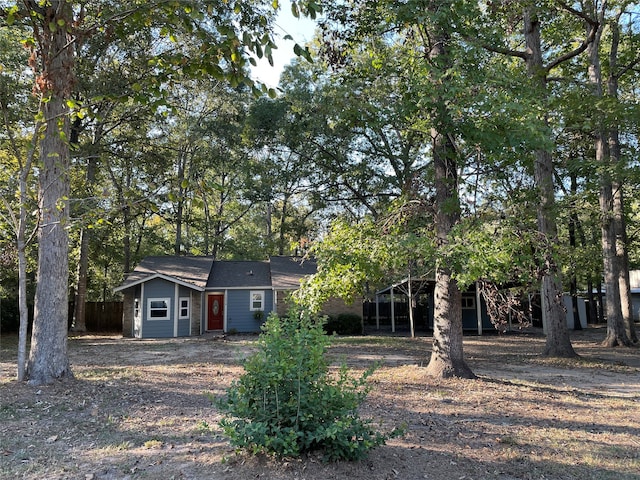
[(215, 312)]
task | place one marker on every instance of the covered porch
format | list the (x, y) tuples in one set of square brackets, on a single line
[(412, 299)]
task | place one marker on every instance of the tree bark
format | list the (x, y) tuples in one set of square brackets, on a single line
[(616, 334), (573, 225), (22, 239), (618, 195), (447, 356), (623, 258), (558, 343), (48, 360), (22, 274), (79, 315)]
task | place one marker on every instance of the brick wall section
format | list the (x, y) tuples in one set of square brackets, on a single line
[(333, 307), (196, 313), (127, 314), (336, 306)]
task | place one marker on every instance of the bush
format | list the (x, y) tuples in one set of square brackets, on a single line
[(344, 324), (287, 404)]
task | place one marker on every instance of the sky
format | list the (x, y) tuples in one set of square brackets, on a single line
[(301, 29)]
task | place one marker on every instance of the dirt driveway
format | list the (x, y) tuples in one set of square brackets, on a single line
[(141, 409)]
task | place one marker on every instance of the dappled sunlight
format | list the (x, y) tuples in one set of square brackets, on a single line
[(495, 421), (144, 409)]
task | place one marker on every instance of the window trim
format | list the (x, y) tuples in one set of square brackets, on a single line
[(137, 311), (181, 308), (468, 302), (252, 308), (167, 301)]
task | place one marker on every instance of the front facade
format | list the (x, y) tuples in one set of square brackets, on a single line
[(163, 297), (174, 296)]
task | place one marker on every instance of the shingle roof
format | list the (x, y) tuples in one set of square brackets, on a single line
[(230, 274), (282, 273), (286, 272), (187, 270)]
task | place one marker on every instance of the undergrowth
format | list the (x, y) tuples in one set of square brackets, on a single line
[(286, 403)]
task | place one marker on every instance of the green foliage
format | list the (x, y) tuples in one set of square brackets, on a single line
[(498, 251), (344, 324), (368, 252), (287, 403)]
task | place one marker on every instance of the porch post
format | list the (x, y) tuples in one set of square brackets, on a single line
[(478, 310), (377, 312), (176, 309), (393, 313)]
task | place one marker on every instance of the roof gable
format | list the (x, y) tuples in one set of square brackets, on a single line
[(192, 272)]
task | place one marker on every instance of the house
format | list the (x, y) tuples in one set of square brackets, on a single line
[(393, 301), (179, 296)]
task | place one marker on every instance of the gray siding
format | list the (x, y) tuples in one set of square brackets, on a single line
[(183, 327), (158, 288), (239, 316), (184, 324)]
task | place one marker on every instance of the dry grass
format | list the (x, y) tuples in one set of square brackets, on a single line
[(142, 410)]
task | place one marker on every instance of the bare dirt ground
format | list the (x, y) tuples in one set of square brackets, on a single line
[(141, 409)]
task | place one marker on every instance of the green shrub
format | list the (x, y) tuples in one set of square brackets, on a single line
[(286, 403), (344, 324)]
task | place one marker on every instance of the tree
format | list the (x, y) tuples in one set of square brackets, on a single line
[(611, 222), (54, 67), (18, 155), (616, 72), (539, 63), (279, 144), (423, 83), (357, 127)]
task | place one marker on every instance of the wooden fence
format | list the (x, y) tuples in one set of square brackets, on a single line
[(103, 316)]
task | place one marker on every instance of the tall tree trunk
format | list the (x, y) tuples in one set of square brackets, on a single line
[(79, 315), (618, 195), (182, 160), (447, 358), (623, 259), (281, 226), (616, 334), (22, 239), (573, 226), (48, 359), (21, 242), (593, 307), (558, 342)]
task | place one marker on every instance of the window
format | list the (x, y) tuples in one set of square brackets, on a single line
[(184, 307), (468, 303), (158, 309), (257, 300)]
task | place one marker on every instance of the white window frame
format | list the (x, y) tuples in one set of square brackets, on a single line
[(136, 308), (182, 308), (166, 300), (253, 293), (468, 302)]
